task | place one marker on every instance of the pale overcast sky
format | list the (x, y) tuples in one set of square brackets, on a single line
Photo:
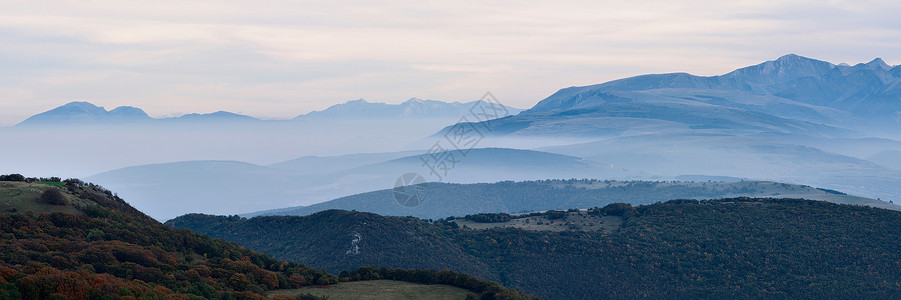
[(278, 59)]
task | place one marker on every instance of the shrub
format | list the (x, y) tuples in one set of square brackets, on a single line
[(54, 197), (616, 209)]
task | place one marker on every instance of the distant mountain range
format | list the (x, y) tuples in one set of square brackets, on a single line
[(794, 120), (792, 94), (85, 113), (755, 123), (413, 108)]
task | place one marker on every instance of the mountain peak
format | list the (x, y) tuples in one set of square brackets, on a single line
[(72, 112), (129, 112), (787, 67), (790, 56), (81, 104), (215, 116), (878, 63)]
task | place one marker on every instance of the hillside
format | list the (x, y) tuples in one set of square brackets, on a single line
[(93, 244), (718, 249), (446, 200), (75, 240)]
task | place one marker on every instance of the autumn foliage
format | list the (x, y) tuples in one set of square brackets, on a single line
[(114, 252)]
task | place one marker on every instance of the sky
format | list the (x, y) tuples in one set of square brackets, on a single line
[(279, 59)]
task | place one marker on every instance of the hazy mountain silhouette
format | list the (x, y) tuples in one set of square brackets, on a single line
[(229, 187), (792, 94), (412, 109), (87, 113)]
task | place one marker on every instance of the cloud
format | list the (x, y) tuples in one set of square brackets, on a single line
[(283, 58)]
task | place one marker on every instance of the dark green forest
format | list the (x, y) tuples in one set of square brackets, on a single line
[(717, 249)]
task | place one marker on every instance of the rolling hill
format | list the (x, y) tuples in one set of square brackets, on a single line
[(227, 187), (714, 249), (90, 244), (445, 200)]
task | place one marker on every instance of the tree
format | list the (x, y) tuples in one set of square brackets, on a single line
[(12, 177), (54, 197)]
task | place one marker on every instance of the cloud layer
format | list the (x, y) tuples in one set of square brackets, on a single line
[(278, 59)]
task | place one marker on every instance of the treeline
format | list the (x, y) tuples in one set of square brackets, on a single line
[(20, 177), (487, 290), (489, 217), (613, 209)]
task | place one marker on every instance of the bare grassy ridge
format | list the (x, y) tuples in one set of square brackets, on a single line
[(23, 196)]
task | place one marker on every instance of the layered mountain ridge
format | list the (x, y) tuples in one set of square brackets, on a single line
[(412, 108), (792, 93), (86, 113)]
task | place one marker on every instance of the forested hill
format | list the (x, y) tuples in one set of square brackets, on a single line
[(75, 240), (720, 249), (448, 199)]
